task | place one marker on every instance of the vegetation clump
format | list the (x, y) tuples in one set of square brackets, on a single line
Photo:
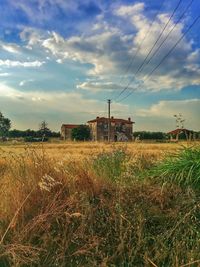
[(81, 133), (81, 213), (182, 168), (110, 165)]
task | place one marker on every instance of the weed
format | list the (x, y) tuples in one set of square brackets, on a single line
[(110, 165), (182, 168)]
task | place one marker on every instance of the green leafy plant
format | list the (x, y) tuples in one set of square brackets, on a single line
[(182, 168), (5, 125), (81, 133)]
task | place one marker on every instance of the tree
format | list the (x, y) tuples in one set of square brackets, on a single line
[(143, 135), (5, 125), (81, 133), (43, 129)]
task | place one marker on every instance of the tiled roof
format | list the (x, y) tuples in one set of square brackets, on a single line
[(70, 126), (177, 131), (102, 119)]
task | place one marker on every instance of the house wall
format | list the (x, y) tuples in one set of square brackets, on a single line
[(66, 133), (118, 131), (93, 131)]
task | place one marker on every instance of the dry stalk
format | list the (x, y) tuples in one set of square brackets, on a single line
[(153, 264), (14, 217), (188, 264)]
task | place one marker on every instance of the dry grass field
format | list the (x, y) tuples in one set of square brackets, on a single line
[(80, 150), (95, 204)]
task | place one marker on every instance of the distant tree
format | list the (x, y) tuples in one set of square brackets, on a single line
[(81, 133), (55, 134), (5, 125), (44, 130), (143, 135), (30, 133), (16, 133)]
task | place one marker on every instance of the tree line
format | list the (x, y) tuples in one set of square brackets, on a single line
[(42, 134), (81, 133)]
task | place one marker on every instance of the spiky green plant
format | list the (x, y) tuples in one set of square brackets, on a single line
[(182, 168)]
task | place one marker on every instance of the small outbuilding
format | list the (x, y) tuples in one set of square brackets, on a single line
[(175, 134), (66, 131)]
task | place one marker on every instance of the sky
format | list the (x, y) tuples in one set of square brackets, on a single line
[(60, 60)]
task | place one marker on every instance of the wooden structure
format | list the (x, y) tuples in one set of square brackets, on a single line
[(174, 135)]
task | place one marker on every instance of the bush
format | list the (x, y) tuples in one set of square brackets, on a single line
[(182, 168), (110, 165), (143, 135), (35, 139), (81, 133)]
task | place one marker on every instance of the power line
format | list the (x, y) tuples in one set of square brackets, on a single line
[(180, 18), (163, 59), (142, 41), (156, 51), (157, 40)]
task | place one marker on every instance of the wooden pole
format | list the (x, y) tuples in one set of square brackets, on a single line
[(109, 126)]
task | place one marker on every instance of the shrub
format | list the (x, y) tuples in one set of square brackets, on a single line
[(110, 165), (182, 168), (35, 139), (81, 133)]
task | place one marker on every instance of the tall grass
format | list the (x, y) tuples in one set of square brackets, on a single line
[(110, 165), (182, 168), (77, 213)]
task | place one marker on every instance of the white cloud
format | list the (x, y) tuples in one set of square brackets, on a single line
[(25, 64), (4, 74), (11, 48), (99, 86), (163, 112), (109, 49), (24, 82), (32, 36), (129, 10), (55, 103), (73, 107), (59, 61)]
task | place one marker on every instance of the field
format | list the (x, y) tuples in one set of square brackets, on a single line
[(96, 204), (86, 149)]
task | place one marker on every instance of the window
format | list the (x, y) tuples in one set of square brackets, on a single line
[(105, 126)]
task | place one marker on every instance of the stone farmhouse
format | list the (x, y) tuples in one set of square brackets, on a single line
[(120, 129)]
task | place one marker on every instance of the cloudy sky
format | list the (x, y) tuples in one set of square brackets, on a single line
[(61, 60)]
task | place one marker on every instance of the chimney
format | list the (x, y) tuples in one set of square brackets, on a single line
[(129, 119)]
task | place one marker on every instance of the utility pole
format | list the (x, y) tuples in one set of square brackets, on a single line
[(109, 126)]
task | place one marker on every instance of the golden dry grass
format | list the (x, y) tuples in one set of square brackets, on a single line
[(80, 150), (85, 204)]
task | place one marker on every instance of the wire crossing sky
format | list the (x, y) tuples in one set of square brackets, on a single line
[(60, 60), (148, 76)]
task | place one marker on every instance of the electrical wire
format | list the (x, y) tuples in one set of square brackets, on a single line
[(164, 58), (155, 43), (141, 43), (180, 18)]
